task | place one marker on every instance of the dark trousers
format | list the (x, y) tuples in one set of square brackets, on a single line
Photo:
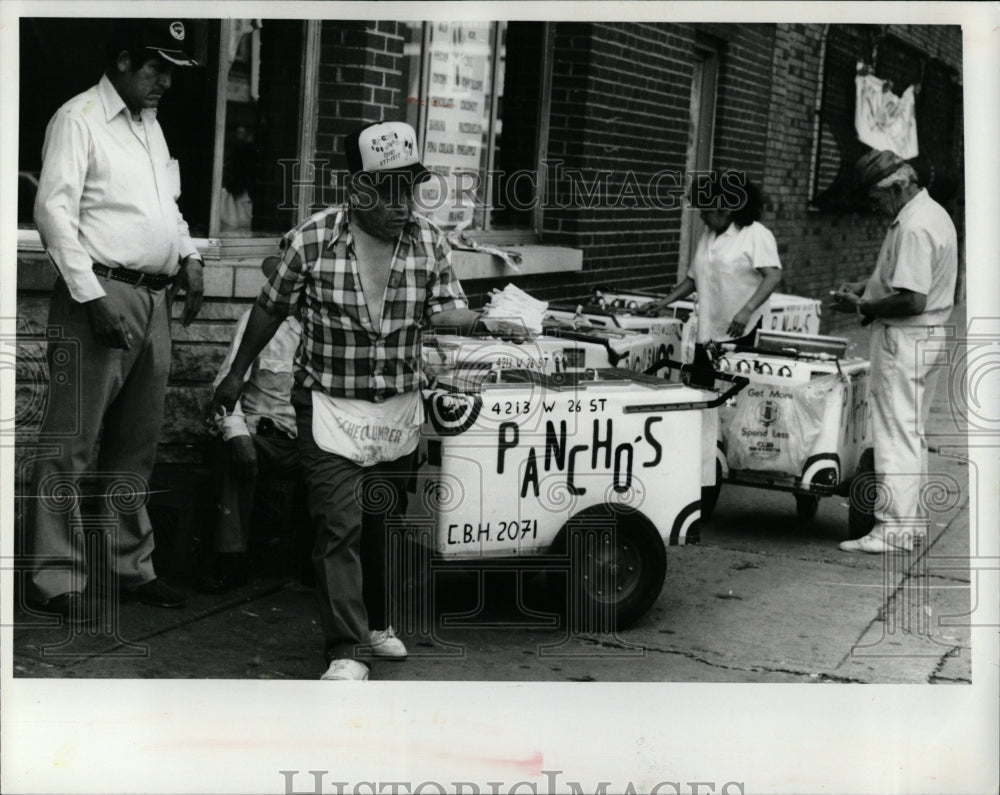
[(349, 506), (277, 456)]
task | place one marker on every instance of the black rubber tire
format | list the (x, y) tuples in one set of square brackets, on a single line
[(617, 564), (806, 506), (710, 494), (861, 513)]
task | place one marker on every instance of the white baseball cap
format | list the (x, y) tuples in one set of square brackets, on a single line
[(385, 147)]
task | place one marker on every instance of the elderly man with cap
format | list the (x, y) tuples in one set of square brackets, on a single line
[(365, 278), (906, 300), (256, 438), (106, 210)]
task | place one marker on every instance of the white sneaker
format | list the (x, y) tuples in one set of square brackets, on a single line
[(384, 643), (875, 545), (345, 669)]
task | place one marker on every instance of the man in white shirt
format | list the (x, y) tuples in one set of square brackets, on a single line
[(907, 299), (107, 213), (258, 437)]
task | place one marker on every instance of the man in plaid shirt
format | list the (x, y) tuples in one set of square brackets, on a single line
[(365, 279)]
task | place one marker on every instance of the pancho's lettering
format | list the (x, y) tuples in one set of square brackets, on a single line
[(606, 454), (503, 445)]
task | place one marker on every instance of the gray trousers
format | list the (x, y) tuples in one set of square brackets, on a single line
[(348, 507), (105, 407)]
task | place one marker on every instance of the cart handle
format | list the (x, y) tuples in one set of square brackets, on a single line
[(738, 382)]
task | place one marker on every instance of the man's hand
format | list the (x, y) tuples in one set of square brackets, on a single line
[(845, 300), (191, 281), (652, 309), (852, 287), (243, 457), (737, 328), (107, 323), (226, 394)]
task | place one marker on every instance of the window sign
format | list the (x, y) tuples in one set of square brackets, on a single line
[(458, 106)]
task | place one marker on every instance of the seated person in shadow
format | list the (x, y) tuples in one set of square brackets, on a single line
[(235, 203), (258, 438)]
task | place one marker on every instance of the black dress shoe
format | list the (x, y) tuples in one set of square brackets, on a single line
[(154, 593), (69, 606)]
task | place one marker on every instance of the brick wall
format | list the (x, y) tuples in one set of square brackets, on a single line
[(621, 95), (360, 80), (820, 249)]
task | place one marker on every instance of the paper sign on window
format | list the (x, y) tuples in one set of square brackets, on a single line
[(458, 112)]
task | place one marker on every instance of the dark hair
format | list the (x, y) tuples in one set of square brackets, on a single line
[(137, 55), (728, 190)]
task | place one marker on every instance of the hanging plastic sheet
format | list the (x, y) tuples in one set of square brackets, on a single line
[(883, 120)]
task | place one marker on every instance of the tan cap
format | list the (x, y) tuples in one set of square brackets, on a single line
[(875, 166)]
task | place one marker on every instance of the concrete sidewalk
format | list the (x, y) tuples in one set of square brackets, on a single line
[(762, 598)]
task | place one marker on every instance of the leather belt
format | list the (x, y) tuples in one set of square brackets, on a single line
[(154, 281), (266, 427)]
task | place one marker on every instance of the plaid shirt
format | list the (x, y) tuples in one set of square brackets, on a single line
[(342, 353)]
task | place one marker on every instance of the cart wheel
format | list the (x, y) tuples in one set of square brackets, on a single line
[(806, 506), (710, 494), (617, 565), (861, 513)]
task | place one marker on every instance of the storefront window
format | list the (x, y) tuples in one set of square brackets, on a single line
[(478, 115), (229, 138)]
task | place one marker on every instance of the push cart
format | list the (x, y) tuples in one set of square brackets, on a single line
[(586, 476), (561, 349), (802, 425), (793, 313)]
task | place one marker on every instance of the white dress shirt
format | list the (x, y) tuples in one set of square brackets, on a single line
[(268, 388), (726, 272), (919, 253), (108, 192)]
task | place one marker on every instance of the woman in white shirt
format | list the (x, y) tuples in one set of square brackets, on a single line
[(735, 267)]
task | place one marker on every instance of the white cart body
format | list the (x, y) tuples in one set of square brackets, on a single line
[(844, 432), (502, 471)]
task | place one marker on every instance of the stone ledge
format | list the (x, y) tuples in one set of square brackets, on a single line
[(242, 278)]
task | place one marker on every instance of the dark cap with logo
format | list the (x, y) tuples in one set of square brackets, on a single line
[(161, 38)]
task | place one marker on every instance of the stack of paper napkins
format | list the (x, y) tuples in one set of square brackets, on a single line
[(513, 312)]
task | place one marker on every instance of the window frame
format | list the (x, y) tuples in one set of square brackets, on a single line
[(487, 233), (704, 100), (213, 247)]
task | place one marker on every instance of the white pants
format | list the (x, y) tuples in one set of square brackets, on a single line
[(904, 369)]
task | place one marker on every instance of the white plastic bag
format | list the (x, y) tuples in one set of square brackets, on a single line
[(773, 426)]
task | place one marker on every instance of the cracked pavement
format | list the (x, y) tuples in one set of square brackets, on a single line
[(763, 598)]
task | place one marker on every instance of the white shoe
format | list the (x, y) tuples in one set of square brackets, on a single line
[(384, 643), (875, 545), (346, 670)]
